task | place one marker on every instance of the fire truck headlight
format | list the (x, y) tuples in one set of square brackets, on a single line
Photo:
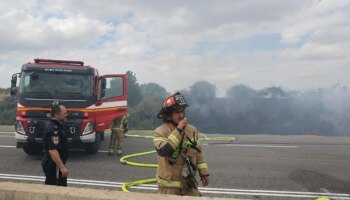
[(20, 128), (89, 128)]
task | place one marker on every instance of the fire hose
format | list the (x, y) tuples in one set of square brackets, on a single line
[(124, 160)]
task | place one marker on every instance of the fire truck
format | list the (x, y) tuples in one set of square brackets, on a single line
[(92, 102)]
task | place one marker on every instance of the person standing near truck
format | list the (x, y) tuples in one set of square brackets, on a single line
[(118, 129), (55, 148)]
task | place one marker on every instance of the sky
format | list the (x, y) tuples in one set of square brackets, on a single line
[(298, 45)]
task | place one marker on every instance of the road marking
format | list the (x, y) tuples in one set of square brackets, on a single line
[(265, 146), (8, 136), (203, 190), (82, 150), (324, 189), (254, 145), (101, 151), (4, 146)]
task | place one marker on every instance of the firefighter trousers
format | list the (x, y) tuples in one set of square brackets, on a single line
[(117, 135), (54, 176)]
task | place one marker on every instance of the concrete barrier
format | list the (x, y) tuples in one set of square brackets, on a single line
[(27, 191)]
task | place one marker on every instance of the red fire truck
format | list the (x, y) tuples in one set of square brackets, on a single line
[(92, 102)]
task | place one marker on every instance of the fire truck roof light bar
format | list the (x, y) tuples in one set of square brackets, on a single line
[(71, 62)]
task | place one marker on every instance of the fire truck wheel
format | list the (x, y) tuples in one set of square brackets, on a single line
[(93, 147), (102, 134), (32, 149)]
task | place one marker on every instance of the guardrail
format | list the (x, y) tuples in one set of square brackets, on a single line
[(27, 191)]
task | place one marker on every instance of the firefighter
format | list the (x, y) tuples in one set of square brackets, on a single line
[(180, 155), (118, 129), (55, 148)]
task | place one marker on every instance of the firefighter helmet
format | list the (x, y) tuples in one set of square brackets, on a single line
[(172, 102)]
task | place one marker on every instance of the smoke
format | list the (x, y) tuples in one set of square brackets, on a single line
[(272, 110), (337, 104)]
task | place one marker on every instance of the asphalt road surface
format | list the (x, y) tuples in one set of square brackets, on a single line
[(253, 167)]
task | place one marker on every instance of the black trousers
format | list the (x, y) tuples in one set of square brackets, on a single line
[(54, 176)]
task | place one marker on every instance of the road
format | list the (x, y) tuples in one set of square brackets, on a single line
[(254, 166)]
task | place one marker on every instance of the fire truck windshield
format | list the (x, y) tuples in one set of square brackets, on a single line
[(44, 85)]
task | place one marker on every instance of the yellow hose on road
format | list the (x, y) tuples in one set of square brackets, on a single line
[(135, 183), (7, 132), (204, 137), (139, 136), (201, 135), (153, 180), (124, 161), (139, 182)]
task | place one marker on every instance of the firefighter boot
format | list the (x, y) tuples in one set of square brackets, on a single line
[(119, 152), (110, 152)]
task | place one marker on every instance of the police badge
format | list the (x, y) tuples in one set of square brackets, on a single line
[(55, 139)]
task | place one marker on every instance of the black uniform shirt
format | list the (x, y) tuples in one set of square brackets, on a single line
[(55, 139)]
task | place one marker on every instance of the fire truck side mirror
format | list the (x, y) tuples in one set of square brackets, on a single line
[(13, 91), (103, 83), (14, 84), (103, 87), (103, 93)]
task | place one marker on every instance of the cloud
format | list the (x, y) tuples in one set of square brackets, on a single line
[(21, 31), (305, 43), (315, 16)]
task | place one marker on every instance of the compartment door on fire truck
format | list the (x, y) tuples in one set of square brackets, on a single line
[(114, 102)]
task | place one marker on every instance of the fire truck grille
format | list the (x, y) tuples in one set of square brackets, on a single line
[(71, 128), (36, 128)]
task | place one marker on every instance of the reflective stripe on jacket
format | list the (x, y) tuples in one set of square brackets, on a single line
[(118, 124), (166, 183)]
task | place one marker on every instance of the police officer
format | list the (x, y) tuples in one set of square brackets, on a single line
[(118, 129), (180, 154), (55, 148)]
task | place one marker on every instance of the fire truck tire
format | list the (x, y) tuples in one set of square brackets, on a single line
[(92, 148), (32, 149), (102, 134)]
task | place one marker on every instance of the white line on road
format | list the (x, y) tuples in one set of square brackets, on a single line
[(265, 146), (82, 150), (5, 146), (8, 136), (204, 190), (101, 151), (256, 145)]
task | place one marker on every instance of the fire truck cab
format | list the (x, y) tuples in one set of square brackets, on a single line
[(92, 102)]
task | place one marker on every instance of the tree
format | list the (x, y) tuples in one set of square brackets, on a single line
[(276, 92), (203, 92), (153, 89), (144, 115), (241, 92), (134, 91), (8, 111)]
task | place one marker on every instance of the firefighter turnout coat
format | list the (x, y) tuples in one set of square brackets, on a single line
[(167, 138), (119, 127)]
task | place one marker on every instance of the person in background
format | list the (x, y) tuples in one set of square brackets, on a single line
[(118, 129), (55, 148)]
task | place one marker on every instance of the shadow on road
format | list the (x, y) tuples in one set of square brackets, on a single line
[(318, 182)]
